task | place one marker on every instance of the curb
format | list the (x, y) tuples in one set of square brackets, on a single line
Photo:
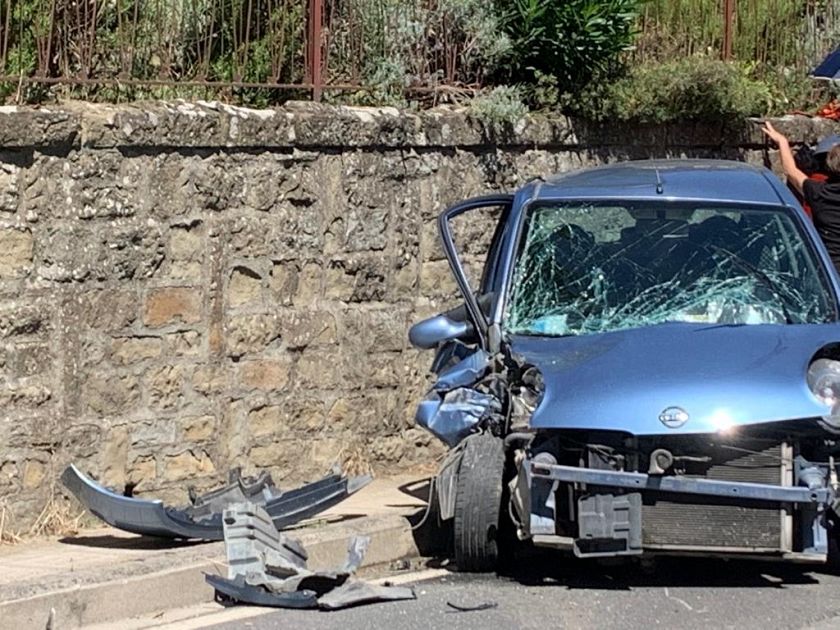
[(111, 600)]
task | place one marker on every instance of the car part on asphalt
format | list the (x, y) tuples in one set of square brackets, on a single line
[(654, 349), (473, 608), (268, 568), (202, 519)]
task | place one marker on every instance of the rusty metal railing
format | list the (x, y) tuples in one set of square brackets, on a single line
[(186, 43)]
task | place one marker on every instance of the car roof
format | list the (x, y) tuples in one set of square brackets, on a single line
[(689, 179)]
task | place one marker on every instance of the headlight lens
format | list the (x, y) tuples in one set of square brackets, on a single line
[(824, 381)]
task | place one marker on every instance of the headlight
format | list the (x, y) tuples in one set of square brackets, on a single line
[(824, 381)]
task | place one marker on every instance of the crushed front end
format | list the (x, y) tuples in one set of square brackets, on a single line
[(769, 491)]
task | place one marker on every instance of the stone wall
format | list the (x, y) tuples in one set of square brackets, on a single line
[(187, 288)]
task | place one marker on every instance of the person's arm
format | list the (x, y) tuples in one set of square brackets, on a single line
[(794, 175)]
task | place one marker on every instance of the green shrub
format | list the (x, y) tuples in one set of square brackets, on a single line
[(572, 40), (499, 109), (693, 88)]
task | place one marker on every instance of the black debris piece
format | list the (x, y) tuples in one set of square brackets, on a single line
[(476, 607)]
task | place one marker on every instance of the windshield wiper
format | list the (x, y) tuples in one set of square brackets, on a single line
[(762, 276)]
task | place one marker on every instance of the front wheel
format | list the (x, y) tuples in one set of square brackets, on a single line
[(478, 503)]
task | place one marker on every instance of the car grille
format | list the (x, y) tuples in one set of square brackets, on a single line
[(684, 522)]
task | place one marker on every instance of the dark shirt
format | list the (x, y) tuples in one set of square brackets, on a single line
[(824, 199)]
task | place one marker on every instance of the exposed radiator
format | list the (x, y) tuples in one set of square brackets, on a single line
[(685, 523)]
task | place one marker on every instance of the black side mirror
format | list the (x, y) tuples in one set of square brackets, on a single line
[(431, 332)]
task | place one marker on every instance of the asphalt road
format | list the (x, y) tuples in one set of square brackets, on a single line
[(554, 592)]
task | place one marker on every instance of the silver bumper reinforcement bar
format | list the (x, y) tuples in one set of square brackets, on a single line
[(680, 485)]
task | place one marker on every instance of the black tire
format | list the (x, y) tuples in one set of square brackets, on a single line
[(478, 504)]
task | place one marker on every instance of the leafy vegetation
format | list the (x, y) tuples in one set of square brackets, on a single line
[(572, 41), (693, 88), (499, 109), (646, 60)]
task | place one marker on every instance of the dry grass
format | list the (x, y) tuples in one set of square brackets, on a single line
[(355, 461), (57, 518), (7, 536)]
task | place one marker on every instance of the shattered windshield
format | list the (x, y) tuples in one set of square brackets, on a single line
[(596, 268)]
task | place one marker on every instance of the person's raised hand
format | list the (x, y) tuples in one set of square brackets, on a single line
[(771, 132)]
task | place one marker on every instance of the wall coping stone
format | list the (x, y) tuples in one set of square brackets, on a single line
[(303, 124)]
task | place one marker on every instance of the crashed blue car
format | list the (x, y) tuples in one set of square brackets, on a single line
[(650, 363)]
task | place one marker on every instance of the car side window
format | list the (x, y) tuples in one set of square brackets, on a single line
[(478, 235)]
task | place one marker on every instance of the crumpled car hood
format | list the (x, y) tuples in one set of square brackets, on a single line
[(722, 376)]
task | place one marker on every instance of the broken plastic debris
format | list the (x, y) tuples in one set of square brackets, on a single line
[(355, 592), (473, 608), (267, 568), (203, 518)]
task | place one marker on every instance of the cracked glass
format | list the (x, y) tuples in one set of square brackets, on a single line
[(595, 268)]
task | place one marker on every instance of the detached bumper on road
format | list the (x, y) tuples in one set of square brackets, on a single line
[(203, 519)]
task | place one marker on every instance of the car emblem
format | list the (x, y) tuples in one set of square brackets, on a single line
[(673, 417)]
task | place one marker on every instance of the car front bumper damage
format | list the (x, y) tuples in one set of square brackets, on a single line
[(609, 508)]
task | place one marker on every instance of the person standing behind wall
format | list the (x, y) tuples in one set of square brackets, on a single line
[(822, 197)]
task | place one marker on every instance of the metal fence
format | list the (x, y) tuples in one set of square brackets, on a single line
[(200, 43), (311, 45), (321, 45), (783, 34)]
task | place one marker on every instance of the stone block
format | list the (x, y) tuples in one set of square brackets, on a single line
[(16, 250), (19, 321), (245, 286), (357, 279), (9, 473), (131, 350), (199, 428), (249, 334), (367, 414), (24, 394), (374, 330), (172, 305), (185, 344), (34, 473), (27, 359), (80, 253), (110, 393), (436, 280), (210, 379), (22, 127), (186, 243), (153, 433), (320, 370), (114, 456), (312, 328), (165, 387), (283, 282), (308, 285), (142, 470), (187, 464), (266, 421), (289, 419), (268, 375), (105, 309), (157, 124), (9, 176)]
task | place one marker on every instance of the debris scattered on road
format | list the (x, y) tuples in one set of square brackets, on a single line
[(402, 564), (268, 568), (202, 519), (477, 607)]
